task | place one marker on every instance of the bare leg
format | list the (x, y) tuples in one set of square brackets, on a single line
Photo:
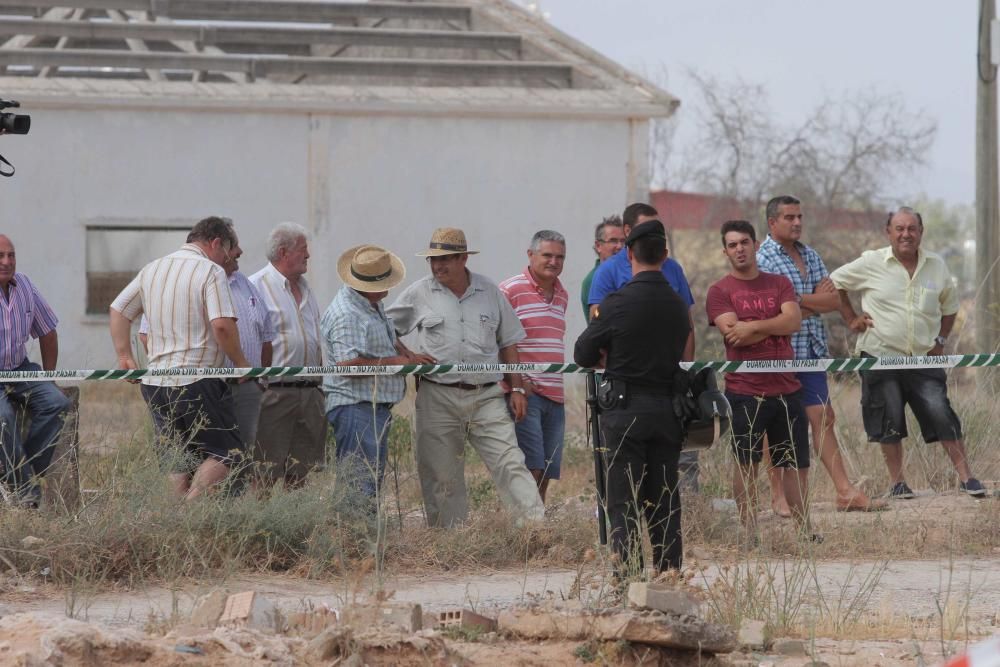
[(745, 491), (796, 486), (821, 421), (778, 502), (956, 452), (209, 474), (893, 454), (180, 483), (543, 484)]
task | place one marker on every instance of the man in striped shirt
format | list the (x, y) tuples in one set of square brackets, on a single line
[(256, 333), (539, 300), (292, 433), (26, 315), (192, 324)]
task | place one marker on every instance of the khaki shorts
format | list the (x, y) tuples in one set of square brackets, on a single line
[(291, 435)]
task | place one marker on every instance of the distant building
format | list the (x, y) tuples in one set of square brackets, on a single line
[(366, 122), (691, 210)]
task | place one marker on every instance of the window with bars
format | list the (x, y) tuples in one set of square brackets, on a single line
[(115, 255)]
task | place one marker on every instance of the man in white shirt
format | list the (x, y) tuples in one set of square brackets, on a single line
[(192, 324), (291, 438)]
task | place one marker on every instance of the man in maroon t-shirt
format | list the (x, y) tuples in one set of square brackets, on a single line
[(757, 313)]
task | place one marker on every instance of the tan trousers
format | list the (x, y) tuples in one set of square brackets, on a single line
[(445, 418), (291, 436)]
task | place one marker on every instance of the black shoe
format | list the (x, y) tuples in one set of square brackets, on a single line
[(973, 487), (900, 491)]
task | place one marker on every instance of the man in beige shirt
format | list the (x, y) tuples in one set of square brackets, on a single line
[(461, 317), (192, 324), (908, 303), (292, 433)]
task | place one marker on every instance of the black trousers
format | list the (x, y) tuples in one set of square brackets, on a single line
[(643, 442)]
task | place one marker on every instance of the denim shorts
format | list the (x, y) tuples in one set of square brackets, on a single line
[(885, 394), (815, 390), (781, 418), (540, 435)]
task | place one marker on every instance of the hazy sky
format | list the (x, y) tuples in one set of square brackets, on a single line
[(805, 52)]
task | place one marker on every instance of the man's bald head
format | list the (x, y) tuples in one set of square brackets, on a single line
[(8, 262)]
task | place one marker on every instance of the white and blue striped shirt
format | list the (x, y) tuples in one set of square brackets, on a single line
[(253, 319), (352, 328)]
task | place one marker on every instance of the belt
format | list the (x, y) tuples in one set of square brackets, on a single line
[(650, 391), (293, 383), (236, 381), (458, 385)]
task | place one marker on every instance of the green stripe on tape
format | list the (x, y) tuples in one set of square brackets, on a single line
[(867, 363), (966, 360), (979, 360)]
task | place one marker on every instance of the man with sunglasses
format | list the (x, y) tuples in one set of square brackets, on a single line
[(609, 238)]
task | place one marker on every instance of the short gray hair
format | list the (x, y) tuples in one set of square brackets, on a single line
[(771, 211), (546, 235), (610, 221), (906, 210), (285, 235)]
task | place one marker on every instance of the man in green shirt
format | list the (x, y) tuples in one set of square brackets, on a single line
[(609, 238)]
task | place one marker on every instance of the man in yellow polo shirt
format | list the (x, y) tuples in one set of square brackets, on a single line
[(908, 303)]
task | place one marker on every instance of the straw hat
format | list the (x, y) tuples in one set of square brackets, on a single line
[(447, 241), (368, 268)]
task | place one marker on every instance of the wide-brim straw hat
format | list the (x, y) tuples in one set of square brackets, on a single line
[(369, 268), (447, 241)]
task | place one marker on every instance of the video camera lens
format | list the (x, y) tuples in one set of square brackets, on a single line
[(15, 123)]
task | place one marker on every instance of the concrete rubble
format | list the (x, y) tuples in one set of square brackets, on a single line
[(663, 597), (252, 610), (465, 619), (247, 628), (644, 627), (752, 636)]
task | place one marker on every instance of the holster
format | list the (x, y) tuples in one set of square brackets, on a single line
[(612, 393)]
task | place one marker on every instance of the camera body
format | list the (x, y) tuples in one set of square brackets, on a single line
[(11, 123)]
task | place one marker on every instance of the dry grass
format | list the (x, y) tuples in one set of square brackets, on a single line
[(132, 532)]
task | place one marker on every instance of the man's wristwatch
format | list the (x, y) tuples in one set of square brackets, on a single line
[(518, 390), (941, 340)]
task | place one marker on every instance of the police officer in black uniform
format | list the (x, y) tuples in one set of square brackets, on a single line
[(642, 328)]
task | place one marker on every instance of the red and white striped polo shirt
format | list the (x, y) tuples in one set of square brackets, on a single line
[(544, 323)]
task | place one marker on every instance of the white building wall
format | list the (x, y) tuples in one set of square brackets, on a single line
[(380, 179)]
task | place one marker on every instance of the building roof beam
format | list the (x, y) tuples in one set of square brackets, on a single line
[(295, 11), (429, 72), (219, 35)]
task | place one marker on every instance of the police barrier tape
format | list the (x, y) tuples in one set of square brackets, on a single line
[(758, 366)]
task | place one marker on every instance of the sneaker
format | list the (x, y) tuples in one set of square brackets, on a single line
[(900, 491), (973, 487)]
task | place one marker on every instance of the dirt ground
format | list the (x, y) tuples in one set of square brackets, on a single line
[(904, 612)]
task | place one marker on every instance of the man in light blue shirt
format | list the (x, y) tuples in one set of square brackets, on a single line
[(355, 332)]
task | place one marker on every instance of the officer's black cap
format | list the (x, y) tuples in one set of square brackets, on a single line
[(652, 228)]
